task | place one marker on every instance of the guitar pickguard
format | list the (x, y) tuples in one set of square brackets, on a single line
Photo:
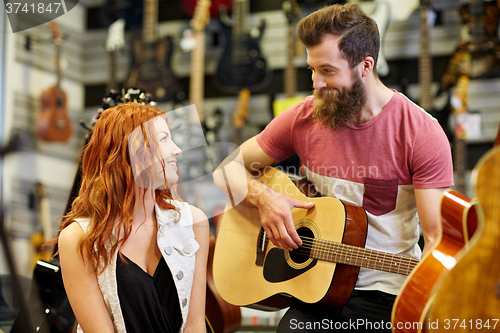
[(281, 265), (277, 269)]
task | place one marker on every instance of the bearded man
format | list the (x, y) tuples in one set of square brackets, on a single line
[(358, 141)]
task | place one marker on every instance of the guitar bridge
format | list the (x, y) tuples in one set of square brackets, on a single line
[(262, 242)]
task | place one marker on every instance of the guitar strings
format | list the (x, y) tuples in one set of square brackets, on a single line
[(353, 251), (324, 250), (377, 263)]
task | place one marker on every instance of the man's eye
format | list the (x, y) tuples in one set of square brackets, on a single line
[(312, 69)]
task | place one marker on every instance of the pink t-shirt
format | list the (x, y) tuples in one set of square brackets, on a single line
[(375, 165)]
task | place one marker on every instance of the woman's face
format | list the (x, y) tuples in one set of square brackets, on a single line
[(168, 151)]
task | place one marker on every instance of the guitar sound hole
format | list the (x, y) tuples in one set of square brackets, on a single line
[(301, 254)]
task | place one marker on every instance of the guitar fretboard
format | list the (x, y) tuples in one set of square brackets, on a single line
[(425, 62), (361, 257), (150, 21)]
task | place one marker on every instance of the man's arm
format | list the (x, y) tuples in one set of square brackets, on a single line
[(233, 177), (429, 213)]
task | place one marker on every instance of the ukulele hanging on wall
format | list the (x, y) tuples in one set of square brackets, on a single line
[(53, 123)]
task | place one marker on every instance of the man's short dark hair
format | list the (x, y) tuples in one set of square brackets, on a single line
[(359, 36)]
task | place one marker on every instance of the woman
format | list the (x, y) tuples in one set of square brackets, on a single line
[(132, 258)]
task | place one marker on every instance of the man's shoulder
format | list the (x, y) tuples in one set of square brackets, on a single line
[(411, 113)]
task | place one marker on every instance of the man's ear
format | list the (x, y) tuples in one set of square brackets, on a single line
[(366, 66)]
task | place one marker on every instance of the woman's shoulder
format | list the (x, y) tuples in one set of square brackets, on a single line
[(198, 214), (70, 235)]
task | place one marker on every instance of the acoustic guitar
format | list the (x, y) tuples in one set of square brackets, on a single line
[(151, 59), (53, 123), (242, 64), (459, 223), (469, 297), (251, 271)]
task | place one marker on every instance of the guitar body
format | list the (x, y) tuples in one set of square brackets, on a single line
[(242, 64), (469, 296), (263, 276), (459, 221), (152, 69), (53, 123)]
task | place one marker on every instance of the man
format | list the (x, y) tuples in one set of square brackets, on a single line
[(360, 142)]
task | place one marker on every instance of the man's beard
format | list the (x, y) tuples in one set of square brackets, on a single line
[(336, 109)]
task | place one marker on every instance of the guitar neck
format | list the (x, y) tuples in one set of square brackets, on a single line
[(425, 72), (356, 256), (241, 8), (196, 84), (290, 70), (58, 65), (150, 21)]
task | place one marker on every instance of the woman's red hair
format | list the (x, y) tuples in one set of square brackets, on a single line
[(107, 194)]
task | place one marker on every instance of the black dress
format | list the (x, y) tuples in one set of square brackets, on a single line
[(149, 303)]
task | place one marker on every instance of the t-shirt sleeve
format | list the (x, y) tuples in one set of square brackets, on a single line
[(276, 139), (432, 161)]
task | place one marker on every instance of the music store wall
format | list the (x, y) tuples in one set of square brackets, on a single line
[(85, 74)]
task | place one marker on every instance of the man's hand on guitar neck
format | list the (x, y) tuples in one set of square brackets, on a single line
[(275, 209)]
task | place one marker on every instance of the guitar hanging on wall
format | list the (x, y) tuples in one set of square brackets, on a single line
[(53, 123), (241, 64), (151, 58)]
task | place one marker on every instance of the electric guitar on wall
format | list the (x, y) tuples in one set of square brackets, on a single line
[(151, 69), (242, 64), (250, 271), (53, 123)]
